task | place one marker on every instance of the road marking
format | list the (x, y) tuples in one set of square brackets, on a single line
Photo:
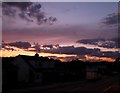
[(107, 88)]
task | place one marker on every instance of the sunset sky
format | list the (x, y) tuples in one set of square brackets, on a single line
[(62, 30)]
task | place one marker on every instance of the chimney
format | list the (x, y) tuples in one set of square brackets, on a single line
[(36, 55)]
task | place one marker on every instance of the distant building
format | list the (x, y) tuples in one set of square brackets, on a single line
[(117, 60), (92, 71)]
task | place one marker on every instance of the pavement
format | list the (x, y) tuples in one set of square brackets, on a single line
[(108, 84)]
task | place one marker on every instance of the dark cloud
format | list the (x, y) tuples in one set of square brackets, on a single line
[(50, 46), (117, 40), (27, 11), (20, 44), (37, 47), (82, 51), (9, 49), (4, 45), (90, 41), (106, 43), (8, 11), (74, 50), (111, 19), (20, 5), (47, 46), (110, 54)]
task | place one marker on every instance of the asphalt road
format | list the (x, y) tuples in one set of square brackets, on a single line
[(108, 84)]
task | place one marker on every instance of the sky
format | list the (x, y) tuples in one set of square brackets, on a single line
[(71, 25)]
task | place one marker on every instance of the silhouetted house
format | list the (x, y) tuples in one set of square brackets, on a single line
[(32, 68)]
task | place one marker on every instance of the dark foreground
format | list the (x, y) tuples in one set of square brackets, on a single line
[(108, 84)]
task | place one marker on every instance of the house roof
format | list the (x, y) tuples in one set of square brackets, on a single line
[(34, 58), (28, 59)]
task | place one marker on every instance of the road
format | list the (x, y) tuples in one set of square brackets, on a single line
[(105, 85)]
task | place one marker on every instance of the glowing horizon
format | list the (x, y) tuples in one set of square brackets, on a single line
[(6, 53)]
